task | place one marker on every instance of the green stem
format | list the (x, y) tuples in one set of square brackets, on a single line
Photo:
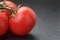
[(3, 6), (12, 11), (4, 3)]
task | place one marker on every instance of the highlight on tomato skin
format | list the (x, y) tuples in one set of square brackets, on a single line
[(3, 24), (23, 21)]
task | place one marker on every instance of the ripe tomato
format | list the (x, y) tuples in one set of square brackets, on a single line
[(23, 21), (7, 12), (3, 23)]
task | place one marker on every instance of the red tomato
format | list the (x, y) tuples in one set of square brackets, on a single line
[(23, 21), (7, 12), (3, 23)]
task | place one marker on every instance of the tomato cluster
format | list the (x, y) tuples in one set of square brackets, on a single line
[(19, 20)]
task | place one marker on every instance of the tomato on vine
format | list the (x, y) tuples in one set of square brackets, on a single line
[(7, 4), (23, 21)]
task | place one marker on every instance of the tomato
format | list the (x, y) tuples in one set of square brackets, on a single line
[(10, 4), (3, 23), (23, 21), (7, 12)]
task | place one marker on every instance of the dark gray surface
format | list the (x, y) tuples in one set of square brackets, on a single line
[(48, 20)]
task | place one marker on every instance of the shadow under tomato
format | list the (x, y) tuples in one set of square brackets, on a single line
[(10, 36)]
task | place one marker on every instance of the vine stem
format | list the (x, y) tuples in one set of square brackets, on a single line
[(3, 7), (4, 3)]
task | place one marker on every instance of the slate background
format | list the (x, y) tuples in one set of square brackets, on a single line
[(48, 20)]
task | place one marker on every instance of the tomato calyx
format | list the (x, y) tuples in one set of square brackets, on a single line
[(13, 13), (3, 7), (6, 8)]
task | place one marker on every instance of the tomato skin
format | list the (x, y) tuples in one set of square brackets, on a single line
[(10, 4), (7, 12), (23, 22), (3, 24)]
